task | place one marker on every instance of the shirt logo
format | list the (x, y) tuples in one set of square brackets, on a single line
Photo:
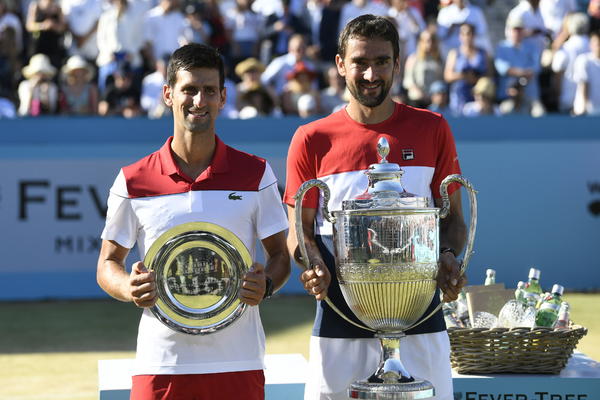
[(233, 196), (408, 154)]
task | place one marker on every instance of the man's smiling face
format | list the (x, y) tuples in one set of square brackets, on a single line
[(368, 67), (195, 99)]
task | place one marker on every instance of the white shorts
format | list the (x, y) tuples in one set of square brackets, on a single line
[(334, 364)]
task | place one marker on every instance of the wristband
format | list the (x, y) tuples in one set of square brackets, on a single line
[(448, 250), (268, 287)]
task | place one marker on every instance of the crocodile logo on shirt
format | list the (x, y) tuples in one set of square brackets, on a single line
[(233, 196)]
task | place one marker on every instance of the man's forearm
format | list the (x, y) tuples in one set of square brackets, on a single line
[(278, 269), (114, 280)]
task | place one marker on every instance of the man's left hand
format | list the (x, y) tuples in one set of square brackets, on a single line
[(449, 279), (253, 285)]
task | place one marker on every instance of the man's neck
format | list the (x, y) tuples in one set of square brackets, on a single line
[(193, 152), (370, 115)]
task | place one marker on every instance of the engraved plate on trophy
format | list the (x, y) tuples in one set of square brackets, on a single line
[(199, 269)]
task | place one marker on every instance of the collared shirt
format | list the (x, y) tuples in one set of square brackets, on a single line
[(454, 15), (238, 192), (508, 56), (166, 31), (533, 20), (587, 70), (276, 71), (121, 33)]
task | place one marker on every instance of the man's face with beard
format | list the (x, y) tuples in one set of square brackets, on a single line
[(368, 67)]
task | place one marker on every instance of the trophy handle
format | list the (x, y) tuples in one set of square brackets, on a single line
[(472, 225), (305, 187), (446, 210)]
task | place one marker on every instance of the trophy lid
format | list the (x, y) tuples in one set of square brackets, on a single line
[(385, 188)]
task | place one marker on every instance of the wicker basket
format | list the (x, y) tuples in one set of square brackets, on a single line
[(517, 350)]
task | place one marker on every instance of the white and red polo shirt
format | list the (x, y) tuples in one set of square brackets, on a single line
[(238, 191), (338, 151)]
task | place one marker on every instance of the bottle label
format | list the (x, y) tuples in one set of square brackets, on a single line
[(549, 306)]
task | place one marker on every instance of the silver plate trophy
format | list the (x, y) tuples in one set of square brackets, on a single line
[(199, 268), (386, 245)]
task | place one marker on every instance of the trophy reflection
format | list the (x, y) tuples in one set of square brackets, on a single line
[(386, 245)]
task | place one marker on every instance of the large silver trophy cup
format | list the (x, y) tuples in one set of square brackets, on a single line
[(386, 245)]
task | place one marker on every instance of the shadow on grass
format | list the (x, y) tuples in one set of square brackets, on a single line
[(108, 325)]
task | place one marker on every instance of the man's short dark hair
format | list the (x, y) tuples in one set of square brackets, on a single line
[(195, 55), (371, 27)]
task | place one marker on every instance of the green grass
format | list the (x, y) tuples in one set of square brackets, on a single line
[(50, 350)]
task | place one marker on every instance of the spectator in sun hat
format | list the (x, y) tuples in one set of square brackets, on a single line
[(307, 106), (38, 94), (249, 72), (484, 93), (78, 93), (300, 82)]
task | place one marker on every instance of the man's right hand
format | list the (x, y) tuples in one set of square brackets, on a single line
[(142, 285), (316, 280)]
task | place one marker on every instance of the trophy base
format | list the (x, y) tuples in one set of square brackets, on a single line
[(417, 389)]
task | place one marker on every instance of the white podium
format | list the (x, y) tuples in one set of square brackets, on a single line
[(285, 375)]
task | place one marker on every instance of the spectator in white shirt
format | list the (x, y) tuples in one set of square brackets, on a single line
[(82, 19), (587, 77), (151, 98), (451, 17), (554, 13), (120, 38), (276, 73), (165, 30), (562, 64), (536, 33)]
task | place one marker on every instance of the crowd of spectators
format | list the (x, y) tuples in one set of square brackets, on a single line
[(109, 57)]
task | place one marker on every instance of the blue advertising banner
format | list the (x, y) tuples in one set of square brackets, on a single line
[(538, 183)]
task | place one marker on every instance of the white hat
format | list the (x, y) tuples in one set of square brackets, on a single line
[(77, 62), (38, 63), (515, 21), (306, 103)]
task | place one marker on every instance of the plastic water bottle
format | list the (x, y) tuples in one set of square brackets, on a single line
[(450, 317), (490, 277), (533, 284), (462, 310), (564, 316), (520, 292), (548, 312), (528, 319)]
